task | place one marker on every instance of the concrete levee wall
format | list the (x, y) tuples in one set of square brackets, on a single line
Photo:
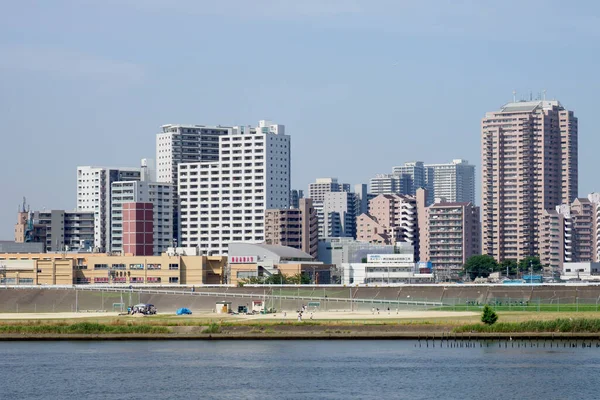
[(292, 298)]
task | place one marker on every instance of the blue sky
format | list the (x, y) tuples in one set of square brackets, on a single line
[(360, 85)]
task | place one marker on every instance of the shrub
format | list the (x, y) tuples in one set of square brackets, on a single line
[(212, 328), (489, 316)]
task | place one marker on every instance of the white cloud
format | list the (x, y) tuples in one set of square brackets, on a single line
[(70, 65)]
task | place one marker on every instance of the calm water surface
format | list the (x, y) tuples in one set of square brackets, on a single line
[(293, 370)]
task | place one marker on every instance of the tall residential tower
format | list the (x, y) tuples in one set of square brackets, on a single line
[(225, 201), (529, 164)]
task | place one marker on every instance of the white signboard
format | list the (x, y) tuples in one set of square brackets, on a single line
[(390, 258)]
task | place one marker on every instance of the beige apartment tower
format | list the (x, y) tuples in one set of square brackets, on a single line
[(293, 227), (450, 235), (529, 164)]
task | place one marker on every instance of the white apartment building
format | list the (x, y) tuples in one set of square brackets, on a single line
[(94, 194), (454, 182), (161, 197), (317, 191), (340, 210), (225, 201), (321, 186), (177, 144)]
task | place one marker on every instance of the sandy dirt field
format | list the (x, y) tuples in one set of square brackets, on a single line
[(58, 315), (291, 316), (340, 315)]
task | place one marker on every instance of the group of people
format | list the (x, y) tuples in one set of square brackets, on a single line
[(377, 309), (302, 311)]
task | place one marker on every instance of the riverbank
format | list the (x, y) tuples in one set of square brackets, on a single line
[(420, 336), (177, 329)]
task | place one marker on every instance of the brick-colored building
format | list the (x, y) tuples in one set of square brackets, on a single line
[(138, 229), (529, 164)]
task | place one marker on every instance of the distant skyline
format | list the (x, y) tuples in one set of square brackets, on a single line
[(90, 82)]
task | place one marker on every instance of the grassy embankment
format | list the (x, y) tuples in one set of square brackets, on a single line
[(89, 328), (579, 325), (510, 322)]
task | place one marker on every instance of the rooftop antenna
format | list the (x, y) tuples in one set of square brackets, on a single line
[(544, 94), (514, 96), (530, 95)]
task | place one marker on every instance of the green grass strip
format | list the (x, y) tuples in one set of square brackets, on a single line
[(582, 325), (82, 328)]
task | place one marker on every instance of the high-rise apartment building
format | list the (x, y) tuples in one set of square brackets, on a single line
[(569, 233), (454, 182), (392, 219), (340, 210), (317, 191), (293, 227), (94, 194), (295, 196), (225, 201), (412, 177), (160, 195), (321, 186), (529, 164), (177, 144), (58, 230)]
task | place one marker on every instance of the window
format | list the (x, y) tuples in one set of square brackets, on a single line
[(100, 266), (118, 266), (173, 279), (136, 266), (154, 266), (173, 266)]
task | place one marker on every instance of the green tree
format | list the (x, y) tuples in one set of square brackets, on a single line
[(253, 280), (526, 263), (276, 279), (480, 265), (489, 316), (511, 265), (298, 279)]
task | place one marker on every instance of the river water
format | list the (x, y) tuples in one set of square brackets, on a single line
[(294, 370)]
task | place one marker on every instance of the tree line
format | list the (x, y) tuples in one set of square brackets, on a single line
[(277, 279), (483, 265)]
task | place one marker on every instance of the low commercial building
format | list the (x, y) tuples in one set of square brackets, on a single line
[(384, 269), (97, 268), (16, 247), (246, 260), (340, 250), (581, 271)]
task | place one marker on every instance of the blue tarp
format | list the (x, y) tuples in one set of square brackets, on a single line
[(183, 311)]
